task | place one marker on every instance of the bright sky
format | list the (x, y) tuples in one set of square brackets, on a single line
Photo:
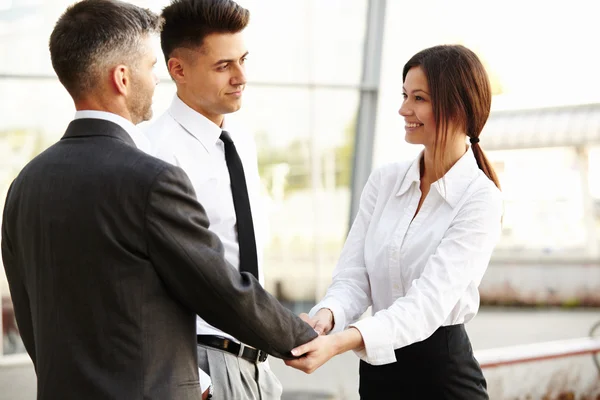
[(544, 53)]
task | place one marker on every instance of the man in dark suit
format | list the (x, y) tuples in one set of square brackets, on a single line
[(106, 249)]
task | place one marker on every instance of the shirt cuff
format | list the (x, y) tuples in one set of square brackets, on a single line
[(339, 318), (378, 345)]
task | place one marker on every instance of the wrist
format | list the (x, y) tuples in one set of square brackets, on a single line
[(350, 339)]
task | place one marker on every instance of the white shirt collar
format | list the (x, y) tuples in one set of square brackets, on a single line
[(452, 185), (203, 129), (134, 132)]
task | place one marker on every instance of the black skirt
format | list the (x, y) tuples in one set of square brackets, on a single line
[(440, 367)]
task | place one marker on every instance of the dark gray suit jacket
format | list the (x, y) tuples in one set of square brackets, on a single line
[(109, 258)]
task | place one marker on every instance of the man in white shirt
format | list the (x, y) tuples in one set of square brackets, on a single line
[(205, 53)]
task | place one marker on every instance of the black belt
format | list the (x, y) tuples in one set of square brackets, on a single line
[(228, 345)]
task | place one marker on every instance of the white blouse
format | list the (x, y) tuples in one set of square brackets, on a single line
[(417, 274)]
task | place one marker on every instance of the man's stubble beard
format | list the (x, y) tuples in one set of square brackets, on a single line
[(140, 107)]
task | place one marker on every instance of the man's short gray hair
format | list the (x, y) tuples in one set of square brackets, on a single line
[(92, 35)]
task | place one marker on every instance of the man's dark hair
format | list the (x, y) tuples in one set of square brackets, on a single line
[(94, 34), (188, 22)]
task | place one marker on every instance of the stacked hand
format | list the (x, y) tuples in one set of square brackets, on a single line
[(314, 353), (318, 351)]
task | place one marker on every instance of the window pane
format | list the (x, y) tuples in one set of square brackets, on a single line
[(25, 28), (306, 40), (305, 142), (544, 219)]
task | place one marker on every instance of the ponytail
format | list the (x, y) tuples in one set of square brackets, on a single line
[(484, 164)]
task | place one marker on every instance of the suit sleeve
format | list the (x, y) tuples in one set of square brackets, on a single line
[(16, 285), (189, 259)]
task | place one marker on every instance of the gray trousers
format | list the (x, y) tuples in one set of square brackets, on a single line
[(234, 378)]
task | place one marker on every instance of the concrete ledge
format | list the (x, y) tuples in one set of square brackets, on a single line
[(552, 370)]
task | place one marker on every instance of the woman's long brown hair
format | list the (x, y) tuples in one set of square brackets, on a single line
[(461, 96)]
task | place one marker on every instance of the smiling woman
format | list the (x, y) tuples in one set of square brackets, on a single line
[(417, 110), (451, 103), (419, 246)]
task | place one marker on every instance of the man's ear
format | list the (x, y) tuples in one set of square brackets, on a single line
[(176, 69), (121, 79)]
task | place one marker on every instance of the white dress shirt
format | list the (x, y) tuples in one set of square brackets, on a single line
[(417, 274), (184, 137), (134, 132)]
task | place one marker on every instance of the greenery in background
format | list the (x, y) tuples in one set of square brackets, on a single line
[(19, 146), (297, 156), (27, 143), (344, 156)]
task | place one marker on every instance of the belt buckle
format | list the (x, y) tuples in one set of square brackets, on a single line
[(261, 356)]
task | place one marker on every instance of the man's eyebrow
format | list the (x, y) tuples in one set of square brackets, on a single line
[(229, 60)]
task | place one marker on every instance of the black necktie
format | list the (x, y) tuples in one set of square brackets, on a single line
[(241, 203)]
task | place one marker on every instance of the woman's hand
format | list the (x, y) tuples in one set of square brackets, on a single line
[(318, 351), (322, 322), (314, 354)]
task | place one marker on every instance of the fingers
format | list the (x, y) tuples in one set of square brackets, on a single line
[(311, 360), (303, 349), (314, 345), (302, 364), (314, 323), (325, 320), (304, 317), (320, 327)]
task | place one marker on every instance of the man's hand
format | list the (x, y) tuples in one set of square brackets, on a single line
[(205, 394), (322, 322)]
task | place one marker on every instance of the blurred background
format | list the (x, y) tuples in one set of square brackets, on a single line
[(325, 79)]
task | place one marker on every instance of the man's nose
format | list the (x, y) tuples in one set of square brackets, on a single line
[(240, 77)]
